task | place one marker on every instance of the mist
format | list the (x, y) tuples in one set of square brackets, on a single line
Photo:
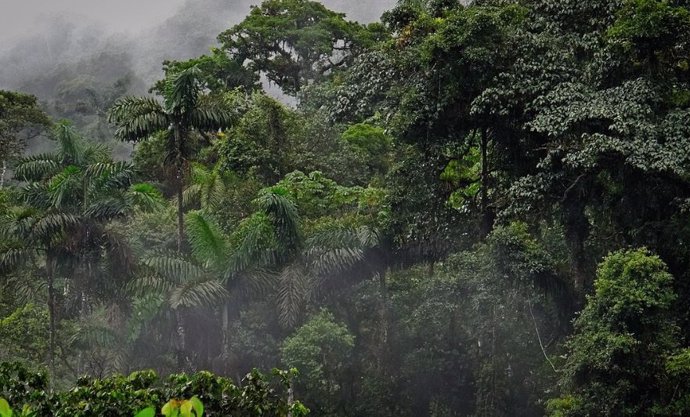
[(44, 45)]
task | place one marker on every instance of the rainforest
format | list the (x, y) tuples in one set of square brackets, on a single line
[(448, 209)]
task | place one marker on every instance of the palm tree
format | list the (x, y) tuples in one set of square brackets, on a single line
[(67, 199), (208, 187), (179, 283), (301, 265), (185, 109)]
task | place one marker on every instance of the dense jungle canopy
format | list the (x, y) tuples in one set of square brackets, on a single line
[(462, 209)]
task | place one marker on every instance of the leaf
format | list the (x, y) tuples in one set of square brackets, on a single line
[(170, 409), (186, 409), (208, 244), (5, 410), (198, 406), (146, 412)]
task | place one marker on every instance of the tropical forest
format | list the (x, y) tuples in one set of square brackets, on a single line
[(446, 209)]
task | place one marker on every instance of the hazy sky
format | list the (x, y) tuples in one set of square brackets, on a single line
[(25, 17), (41, 39), (22, 17)]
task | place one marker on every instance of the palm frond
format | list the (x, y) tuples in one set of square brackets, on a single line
[(145, 197), (26, 289), (150, 285), (53, 223), (293, 289), (210, 115), (108, 169), (12, 257), (107, 208), (334, 249), (71, 145), (35, 195), (283, 213), (256, 247), (368, 237), (191, 195), (96, 152), (66, 184), (144, 309), (182, 90), (137, 118), (207, 188), (256, 281), (207, 242), (37, 167), (174, 267), (198, 293), (91, 333), (329, 261), (18, 222)]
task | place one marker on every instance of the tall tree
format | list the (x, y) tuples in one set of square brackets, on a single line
[(617, 360), (185, 109), (175, 283), (294, 42), (19, 115), (68, 198)]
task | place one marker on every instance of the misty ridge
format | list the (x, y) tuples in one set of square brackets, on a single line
[(77, 69), (63, 53)]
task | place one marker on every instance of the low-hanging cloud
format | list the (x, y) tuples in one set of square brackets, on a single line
[(45, 44)]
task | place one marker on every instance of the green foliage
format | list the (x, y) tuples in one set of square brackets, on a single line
[(25, 335), (18, 113), (651, 27), (181, 408), (321, 349), (622, 338), (372, 142), (415, 233), (293, 42), (141, 392)]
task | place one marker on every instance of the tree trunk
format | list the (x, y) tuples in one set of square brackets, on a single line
[(3, 171), (51, 312), (180, 211), (179, 161), (226, 334), (487, 217), (577, 229), (181, 341)]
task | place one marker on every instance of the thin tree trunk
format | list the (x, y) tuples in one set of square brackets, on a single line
[(291, 397), (226, 333), (180, 187), (181, 341), (2, 173), (51, 312), (180, 211), (181, 337), (577, 231), (487, 217)]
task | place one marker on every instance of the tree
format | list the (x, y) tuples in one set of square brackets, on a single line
[(68, 198), (174, 282), (617, 360), (302, 260), (185, 109), (294, 42), (220, 72), (20, 118), (321, 350)]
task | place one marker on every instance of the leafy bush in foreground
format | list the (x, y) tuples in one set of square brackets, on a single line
[(124, 396)]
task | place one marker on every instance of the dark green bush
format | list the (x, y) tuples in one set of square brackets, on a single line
[(124, 396)]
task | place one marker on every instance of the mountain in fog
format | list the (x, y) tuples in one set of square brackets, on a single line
[(66, 49)]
